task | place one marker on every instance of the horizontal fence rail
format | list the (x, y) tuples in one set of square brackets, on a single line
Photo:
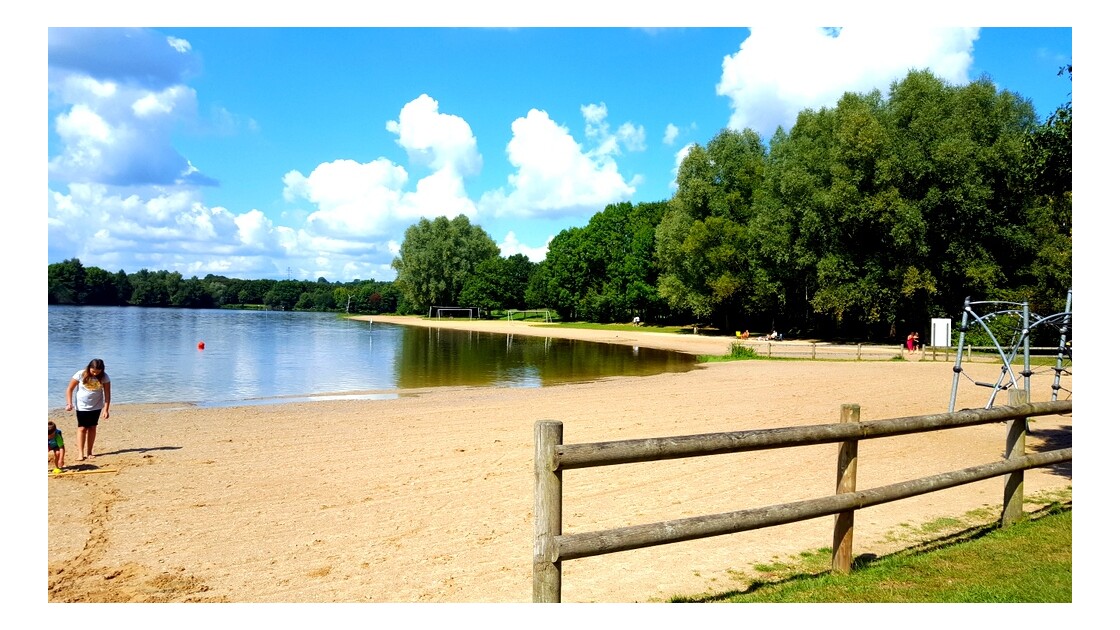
[(551, 547), (639, 536), (572, 456)]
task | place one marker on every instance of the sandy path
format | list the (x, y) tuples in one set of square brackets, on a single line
[(428, 497)]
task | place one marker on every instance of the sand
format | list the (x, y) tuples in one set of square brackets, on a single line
[(428, 496)]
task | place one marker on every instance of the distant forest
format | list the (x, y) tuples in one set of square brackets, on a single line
[(862, 221), (70, 282)]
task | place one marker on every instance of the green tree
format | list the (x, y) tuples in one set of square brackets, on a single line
[(605, 271), (1048, 176), (704, 245), (149, 288), (498, 283), (66, 282), (284, 295), (438, 257)]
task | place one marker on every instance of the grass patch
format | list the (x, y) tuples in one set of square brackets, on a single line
[(738, 351), (1031, 561), (676, 330)]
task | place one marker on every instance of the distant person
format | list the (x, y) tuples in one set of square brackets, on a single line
[(56, 447), (92, 386), (637, 321), (910, 342), (917, 343)]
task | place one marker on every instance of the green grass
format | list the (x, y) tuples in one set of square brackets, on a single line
[(1031, 561), (677, 330)]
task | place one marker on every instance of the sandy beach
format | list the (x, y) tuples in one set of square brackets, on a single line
[(427, 495)]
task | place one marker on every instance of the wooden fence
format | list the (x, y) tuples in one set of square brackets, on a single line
[(793, 349), (552, 457)]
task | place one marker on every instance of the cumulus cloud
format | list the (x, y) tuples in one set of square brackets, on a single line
[(346, 213), (677, 160), (357, 201), (176, 231), (671, 133), (169, 230), (779, 71), (352, 199), (117, 96), (133, 56), (435, 140), (555, 176)]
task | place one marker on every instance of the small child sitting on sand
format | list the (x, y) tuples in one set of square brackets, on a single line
[(56, 447)]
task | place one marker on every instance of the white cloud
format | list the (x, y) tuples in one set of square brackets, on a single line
[(510, 245), (179, 44), (361, 201), (104, 228), (678, 158), (596, 129), (633, 138), (353, 199), (174, 231), (116, 102), (779, 71), (162, 103), (434, 140), (671, 133), (555, 177)]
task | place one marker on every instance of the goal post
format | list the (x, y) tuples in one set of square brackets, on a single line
[(546, 313), (451, 312)]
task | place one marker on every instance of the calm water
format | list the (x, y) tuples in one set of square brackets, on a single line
[(152, 355)]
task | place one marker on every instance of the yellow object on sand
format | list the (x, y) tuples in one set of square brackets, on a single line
[(67, 473)]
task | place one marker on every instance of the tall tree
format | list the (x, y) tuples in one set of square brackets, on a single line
[(438, 257), (703, 245), (604, 271), (498, 283)]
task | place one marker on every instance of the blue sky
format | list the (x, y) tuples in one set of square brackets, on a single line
[(265, 152)]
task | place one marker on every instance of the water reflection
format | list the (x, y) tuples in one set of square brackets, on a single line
[(434, 357), (152, 355)]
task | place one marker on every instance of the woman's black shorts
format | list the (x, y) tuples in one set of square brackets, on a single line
[(88, 419)]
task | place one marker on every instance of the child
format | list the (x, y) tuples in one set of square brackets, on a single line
[(56, 447)]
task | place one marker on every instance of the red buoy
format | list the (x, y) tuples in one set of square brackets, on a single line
[(201, 346)]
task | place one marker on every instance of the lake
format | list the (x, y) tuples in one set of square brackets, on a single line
[(253, 357)]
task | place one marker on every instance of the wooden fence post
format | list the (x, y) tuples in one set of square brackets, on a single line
[(1016, 447), (547, 507), (844, 524)]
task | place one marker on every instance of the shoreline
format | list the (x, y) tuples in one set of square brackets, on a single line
[(428, 497), (688, 344)]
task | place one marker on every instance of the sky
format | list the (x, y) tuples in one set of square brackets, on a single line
[(305, 153)]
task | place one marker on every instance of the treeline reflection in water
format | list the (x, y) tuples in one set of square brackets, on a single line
[(152, 355), (432, 357)]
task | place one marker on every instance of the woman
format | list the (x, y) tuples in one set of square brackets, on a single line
[(92, 385)]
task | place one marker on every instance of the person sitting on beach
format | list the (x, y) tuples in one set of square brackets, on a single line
[(56, 447)]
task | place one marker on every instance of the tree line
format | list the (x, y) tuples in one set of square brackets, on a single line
[(862, 221), (70, 282)]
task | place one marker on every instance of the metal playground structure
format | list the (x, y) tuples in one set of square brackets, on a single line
[(1019, 344)]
